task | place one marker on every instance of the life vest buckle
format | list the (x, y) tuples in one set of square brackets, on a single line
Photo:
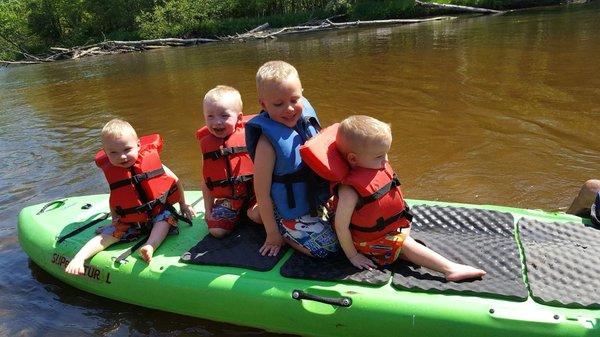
[(138, 178)]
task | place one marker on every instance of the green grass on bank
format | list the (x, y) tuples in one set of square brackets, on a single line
[(33, 26)]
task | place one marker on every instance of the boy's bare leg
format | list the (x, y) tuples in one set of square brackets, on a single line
[(157, 235), (253, 214), (425, 257), (96, 244), (584, 200), (219, 232)]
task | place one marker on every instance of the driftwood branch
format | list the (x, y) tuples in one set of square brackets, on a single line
[(103, 48), (321, 25), (457, 8), (260, 32)]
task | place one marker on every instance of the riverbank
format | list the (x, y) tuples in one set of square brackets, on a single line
[(35, 31)]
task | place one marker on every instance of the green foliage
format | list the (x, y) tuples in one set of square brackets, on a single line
[(33, 26)]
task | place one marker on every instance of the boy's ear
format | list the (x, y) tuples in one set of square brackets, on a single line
[(351, 158), (262, 103)]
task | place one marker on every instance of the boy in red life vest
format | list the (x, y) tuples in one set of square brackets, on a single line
[(227, 168), (132, 168), (372, 221)]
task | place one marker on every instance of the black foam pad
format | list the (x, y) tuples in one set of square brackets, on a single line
[(476, 237), (563, 262), (238, 249), (333, 268)]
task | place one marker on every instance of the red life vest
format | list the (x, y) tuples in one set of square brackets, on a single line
[(381, 208), (142, 191), (227, 169)]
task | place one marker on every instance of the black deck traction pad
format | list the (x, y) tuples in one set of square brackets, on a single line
[(334, 268), (476, 237), (563, 262), (238, 249)]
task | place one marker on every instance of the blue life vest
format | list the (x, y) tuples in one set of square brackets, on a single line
[(296, 191)]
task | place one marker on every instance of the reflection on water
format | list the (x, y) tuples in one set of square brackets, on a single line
[(490, 110)]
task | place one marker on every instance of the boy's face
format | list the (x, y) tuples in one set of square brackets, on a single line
[(221, 117), (281, 100), (373, 156), (122, 151)]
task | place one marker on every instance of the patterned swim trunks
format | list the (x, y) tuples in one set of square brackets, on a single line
[(127, 232), (313, 233), (384, 250)]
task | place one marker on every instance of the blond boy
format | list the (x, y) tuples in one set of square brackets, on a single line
[(288, 196), (123, 151), (364, 142), (227, 167)]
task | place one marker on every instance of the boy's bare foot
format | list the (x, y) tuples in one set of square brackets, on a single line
[(460, 272), (146, 252), (75, 267)]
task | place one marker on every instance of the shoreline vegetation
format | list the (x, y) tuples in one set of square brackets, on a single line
[(39, 31)]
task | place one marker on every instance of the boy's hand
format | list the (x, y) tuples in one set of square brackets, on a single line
[(187, 211), (272, 244), (362, 262)]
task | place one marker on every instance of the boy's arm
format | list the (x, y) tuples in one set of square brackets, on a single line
[(209, 200), (264, 163), (343, 214), (185, 209)]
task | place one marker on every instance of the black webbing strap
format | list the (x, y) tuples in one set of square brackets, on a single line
[(177, 215), (82, 228), (147, 207), (136, 179), (378, 194), (382, 223), (131, 249), (227, 151), (211, 184), (290, 178), (314, 122)]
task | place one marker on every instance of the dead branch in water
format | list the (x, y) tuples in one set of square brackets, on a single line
[(326, 24), (103, 48), (457, 8), (260, 32)]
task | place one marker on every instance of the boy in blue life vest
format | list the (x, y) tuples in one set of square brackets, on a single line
[(142, 192), (227, 169), (372, 221), (290, 197)]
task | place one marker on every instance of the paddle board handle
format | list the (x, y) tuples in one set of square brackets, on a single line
[(339, 301), (58, 203)]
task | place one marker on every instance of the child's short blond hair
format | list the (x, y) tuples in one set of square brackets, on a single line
[(116, 128), (221, 92), (359, 132), (274, 71)]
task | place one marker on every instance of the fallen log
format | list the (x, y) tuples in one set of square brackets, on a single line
[(457, 8)]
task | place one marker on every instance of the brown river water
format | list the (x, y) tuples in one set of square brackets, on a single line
[(486, 110)]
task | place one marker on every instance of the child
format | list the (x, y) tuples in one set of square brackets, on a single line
[(587, 199), (142, 191), (227, 168), (289, 196), (372, 221)]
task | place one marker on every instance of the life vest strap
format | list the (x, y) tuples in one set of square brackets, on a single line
[(224, 152), (228, 182), (378, 194), (382, 223), (136, 179), (147, 207), (288, 179)]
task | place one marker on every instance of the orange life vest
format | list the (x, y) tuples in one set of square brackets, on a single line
[(381, 208), (142, 191), (227, 168)]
